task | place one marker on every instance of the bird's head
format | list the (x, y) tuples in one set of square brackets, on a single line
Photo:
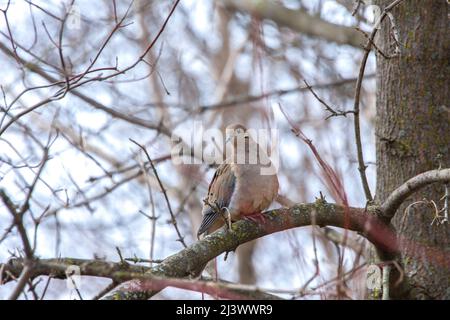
[(236, 132)]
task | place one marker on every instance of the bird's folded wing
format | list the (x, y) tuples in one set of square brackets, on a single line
[(219, 195)]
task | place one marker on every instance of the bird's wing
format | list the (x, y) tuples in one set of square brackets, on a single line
[(220, 192)]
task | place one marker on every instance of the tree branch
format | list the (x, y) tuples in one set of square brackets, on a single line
[(299, 21), (190, 261), (163, 190), (367, 48), (120, 272), (57, 268), (399, 195)]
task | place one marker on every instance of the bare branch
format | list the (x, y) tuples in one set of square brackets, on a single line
[(399, 195), (173, 220), (120, 272), (299, 21), (76, 80), (276, 93), (23, 279), (190, 261), (18, 223), (333, 112), (361, 164)]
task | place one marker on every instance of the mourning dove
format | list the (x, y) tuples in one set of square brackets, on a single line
[(238, 189)]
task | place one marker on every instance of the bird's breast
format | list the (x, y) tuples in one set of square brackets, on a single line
[(254, 192)]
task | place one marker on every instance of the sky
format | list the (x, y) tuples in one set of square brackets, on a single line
[(116, 221)]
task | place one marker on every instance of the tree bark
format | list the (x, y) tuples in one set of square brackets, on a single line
[(413, 136)]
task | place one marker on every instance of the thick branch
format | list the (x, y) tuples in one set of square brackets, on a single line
[(189, 262), (399, 195), (299, 21), (57, 268), (120, 272)]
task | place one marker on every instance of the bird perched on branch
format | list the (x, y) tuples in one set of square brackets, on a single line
[(239, 188)]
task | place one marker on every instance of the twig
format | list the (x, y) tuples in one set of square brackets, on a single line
[(43, 10), (46, 286), (13, 44), (32, 288), (333, 113), (118, 26), (399, 195), (105, 290), (75, 287), (141, 260), (384, 55), (356, 7), (334, 183), (315, 259), (163, 190), (339, 239), (275, 93), (152, 218), (18, 216), (60, 47), (87, 201), (27, 248), (28, 110), (361, 164), (23, 279), (120, 255), (76, 81)]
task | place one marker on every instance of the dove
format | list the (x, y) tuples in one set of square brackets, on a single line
[(238, 189)]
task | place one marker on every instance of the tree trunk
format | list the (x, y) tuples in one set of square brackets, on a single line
[(413, 135)]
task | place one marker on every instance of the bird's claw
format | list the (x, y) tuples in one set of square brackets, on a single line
[(228, 219), (258, 218)]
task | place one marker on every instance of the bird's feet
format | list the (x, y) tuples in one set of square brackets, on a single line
[(228, 218), (258, 218)]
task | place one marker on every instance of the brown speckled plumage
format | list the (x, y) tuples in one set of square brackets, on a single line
[(239, 187)]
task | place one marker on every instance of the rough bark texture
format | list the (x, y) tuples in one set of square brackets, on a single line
[(412, 132), (190, 261)]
